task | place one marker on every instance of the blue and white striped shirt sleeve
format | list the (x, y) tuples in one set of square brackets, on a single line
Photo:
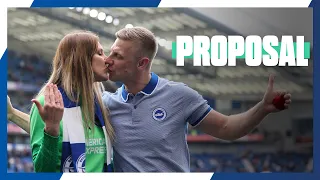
[(196, 107)]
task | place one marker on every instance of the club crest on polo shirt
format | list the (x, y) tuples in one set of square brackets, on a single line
[(68, 165), (159, 114)]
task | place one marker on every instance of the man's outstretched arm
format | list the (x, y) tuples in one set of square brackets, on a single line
[(236, 126)]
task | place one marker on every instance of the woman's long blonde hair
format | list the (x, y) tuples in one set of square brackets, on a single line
[(72, 70)]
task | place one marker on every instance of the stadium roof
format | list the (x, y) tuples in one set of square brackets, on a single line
[(38, 31)]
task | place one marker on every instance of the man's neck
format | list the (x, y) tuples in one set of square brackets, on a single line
[(139, 84)]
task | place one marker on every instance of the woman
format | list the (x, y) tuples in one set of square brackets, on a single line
[(72, 132)]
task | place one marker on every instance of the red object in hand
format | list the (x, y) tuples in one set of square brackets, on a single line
[(279, 102)]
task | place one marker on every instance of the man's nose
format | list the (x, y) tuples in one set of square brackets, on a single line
[(108, 61)]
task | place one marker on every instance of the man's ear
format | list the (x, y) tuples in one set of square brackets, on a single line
[(143, 63)]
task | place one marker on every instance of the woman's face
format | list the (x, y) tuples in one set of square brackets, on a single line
[(99, 65)]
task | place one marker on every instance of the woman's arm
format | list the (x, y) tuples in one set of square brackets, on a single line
[(18, 117), (44, 128)]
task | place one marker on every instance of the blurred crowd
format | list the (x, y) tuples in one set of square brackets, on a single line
[(252, 162), (19, 158), (26, 74), (27, 69)]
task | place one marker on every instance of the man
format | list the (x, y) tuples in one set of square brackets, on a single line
[(150, 114)]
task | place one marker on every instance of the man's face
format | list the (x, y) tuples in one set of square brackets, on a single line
[(122, 61)]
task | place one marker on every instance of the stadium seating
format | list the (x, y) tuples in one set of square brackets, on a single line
[(261, 162), (27, 69)]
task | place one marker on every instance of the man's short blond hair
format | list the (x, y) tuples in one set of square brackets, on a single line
[(148, 43)]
